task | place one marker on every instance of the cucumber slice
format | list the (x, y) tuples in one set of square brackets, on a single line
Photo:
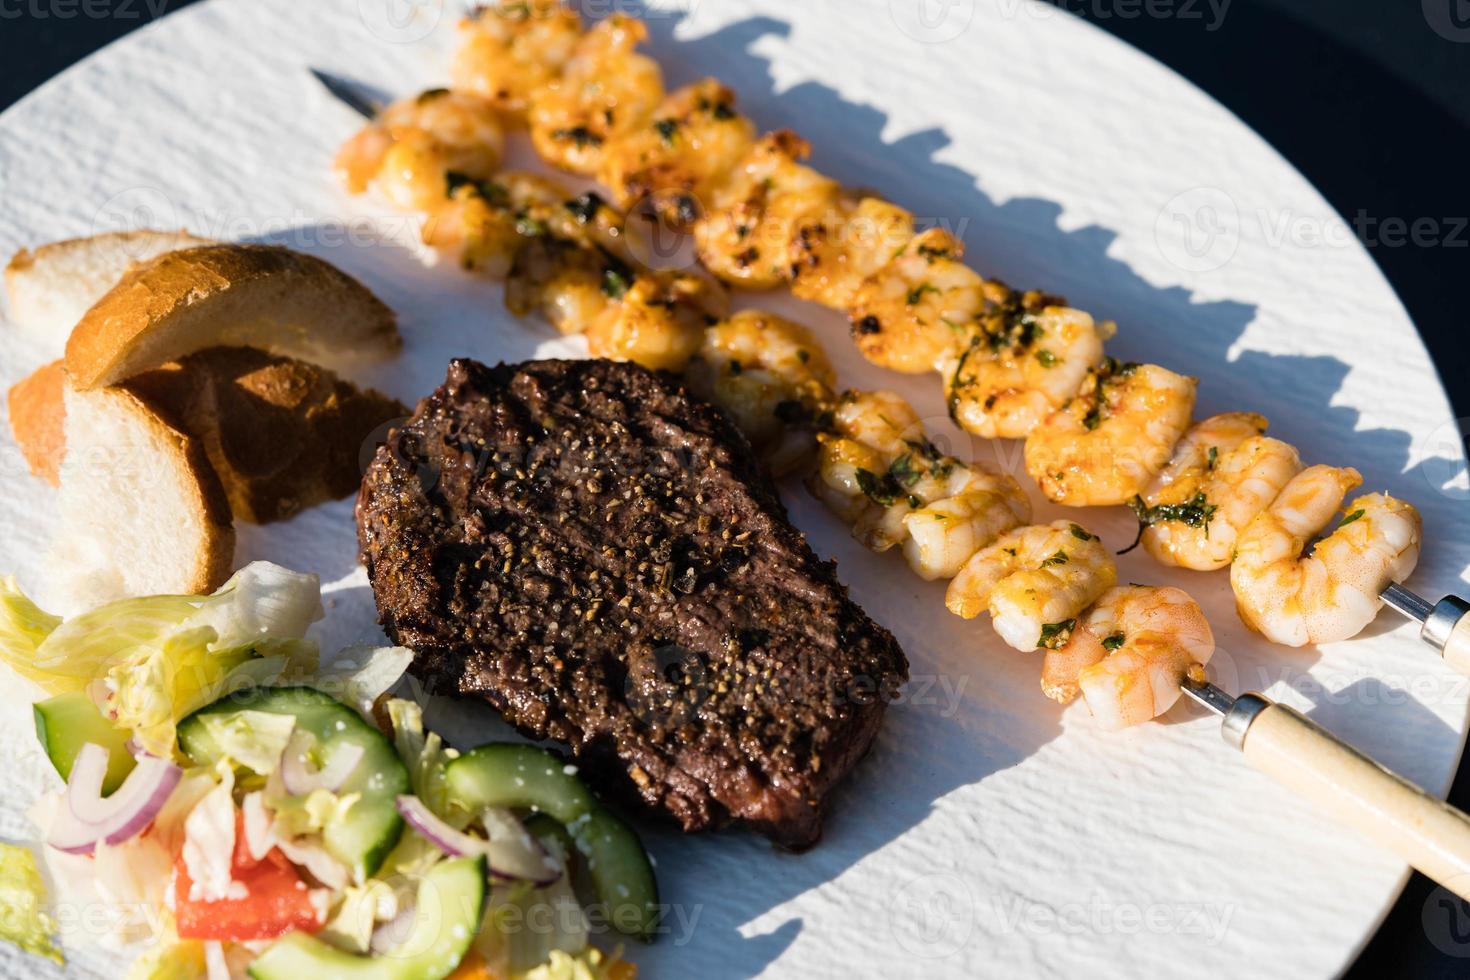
[(510, 775), (67, 722), (451, 903), (362, 837)]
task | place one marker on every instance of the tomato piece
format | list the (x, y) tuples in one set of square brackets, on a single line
[(276, 901)]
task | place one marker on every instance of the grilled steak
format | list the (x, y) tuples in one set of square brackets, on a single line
[(598, 555)]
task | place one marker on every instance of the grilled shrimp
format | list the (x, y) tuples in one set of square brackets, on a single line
[(880, 473), (870, 429), (563, 281), (835, 250), (483, 223), (772, 376), (1108, 442), (561, 256), (1028, 353), (1129, 654), (678, 156), (908, 315), (414, 145), (1331, 593), (512, 49), (745, 234), (658, 319), (971, 507), (605, 91), (1034, 581), (1224, 472)]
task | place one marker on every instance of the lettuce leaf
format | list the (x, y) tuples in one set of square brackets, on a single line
[(358, 675), (261, 600), (254, 739), (23, 921), (23, 628), (162, 657), (425, 755)]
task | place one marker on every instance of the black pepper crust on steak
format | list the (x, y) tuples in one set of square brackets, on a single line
[(599, 556)]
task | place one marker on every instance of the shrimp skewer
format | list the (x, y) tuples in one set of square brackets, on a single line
[(1333, 592), (1011, 361)]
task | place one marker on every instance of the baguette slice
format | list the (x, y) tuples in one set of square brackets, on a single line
[(281, 434), (232, 295), (142, 511), (49, 289)]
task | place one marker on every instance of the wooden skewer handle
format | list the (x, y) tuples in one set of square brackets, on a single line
[(1427, 832), (1457, 646)]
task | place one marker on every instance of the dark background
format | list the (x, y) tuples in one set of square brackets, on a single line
[(1370, 100)]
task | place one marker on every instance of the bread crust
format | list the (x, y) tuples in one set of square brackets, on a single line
[(284, 301), (52, 286), (38, 417)]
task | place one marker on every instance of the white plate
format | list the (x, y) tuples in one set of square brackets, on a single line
[(990, 832)]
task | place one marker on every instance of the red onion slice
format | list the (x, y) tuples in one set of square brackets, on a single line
[(89, 818), (511, 857), (300, 779)]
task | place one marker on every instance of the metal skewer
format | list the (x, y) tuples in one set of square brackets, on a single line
[(1443, 625), (1427, 832), (355, 95)]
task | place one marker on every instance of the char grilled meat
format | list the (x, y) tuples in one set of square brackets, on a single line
[(599, 556)]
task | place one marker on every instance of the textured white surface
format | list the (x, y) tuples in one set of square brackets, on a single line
[(990, 833)]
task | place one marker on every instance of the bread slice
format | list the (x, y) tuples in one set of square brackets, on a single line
[(237, 295), (142, 511), (281, 434), (37, 414), (50, 288)]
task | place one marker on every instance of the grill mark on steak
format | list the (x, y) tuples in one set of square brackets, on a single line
[(597, 555)]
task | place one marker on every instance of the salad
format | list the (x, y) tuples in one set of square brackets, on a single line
[(242, 808)]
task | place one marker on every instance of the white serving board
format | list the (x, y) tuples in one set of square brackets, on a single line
[(990, 833)]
